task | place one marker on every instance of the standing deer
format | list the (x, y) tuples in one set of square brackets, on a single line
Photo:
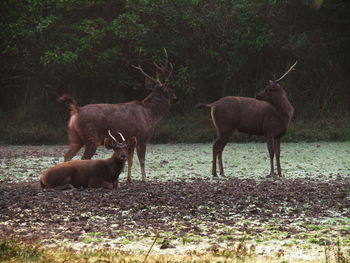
[(90, 173), (269, 115), (88, 125)]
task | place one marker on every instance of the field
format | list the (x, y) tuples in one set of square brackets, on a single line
[(303, 217)]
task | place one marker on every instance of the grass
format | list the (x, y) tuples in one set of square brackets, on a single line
[(191, 238), (93, 237), (195, 127), (319, 161), (15, 250)]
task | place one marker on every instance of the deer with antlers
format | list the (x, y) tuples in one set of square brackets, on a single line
[(88, 125), (90, 173), (269, 115)]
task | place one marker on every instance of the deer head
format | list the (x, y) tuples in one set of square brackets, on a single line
[(274, 91), (160, 83), (119, 148)]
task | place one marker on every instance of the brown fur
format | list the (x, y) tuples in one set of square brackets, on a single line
[(88, 125), (90, 173), (268, 115)]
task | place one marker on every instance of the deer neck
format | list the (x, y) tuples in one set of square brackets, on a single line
[(115, 166), (157, 107), (285, 109)]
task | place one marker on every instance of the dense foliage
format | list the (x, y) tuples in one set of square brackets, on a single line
[(218, 47)]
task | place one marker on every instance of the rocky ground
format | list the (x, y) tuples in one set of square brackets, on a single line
[(31, 212)]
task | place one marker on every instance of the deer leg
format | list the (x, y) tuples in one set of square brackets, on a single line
[(75, 145), (224, 141), (64, 187), (116, 184), (73, 149), (221, 166), (215, 154), (97, 182), (104, 184), (270, 146), (130, 162), (141, 153), (90, 150), (277, 152), (218, 148), (107, 185)]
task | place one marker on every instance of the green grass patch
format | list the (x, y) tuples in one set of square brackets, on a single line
[(194, 127), (94, 234), (314, 227), (191, 238), (197, 127), (318, 241), (226, 238)]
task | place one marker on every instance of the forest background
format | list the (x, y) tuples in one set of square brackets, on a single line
[(218, 48)]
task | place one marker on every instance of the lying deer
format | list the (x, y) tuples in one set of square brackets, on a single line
[(88, 125), (90, 173), (269, 115)]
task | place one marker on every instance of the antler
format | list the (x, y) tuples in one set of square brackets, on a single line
[(114, 139), (159, 70), (109, 132), (162, 69), (121, 135), (168, 77), (289, 70), (144, 73)]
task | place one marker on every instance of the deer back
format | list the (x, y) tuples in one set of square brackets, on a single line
[(135, 118)]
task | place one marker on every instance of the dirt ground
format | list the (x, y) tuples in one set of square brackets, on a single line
[(30, 212), (298, 216)]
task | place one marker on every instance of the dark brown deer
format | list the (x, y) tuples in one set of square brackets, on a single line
[(90, 173), (269, 115), (88, 125)]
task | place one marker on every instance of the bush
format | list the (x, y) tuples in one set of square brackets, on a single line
[(31, 133), (194, 127)]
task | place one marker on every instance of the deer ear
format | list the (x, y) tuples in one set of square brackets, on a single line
[(132, 141), (109, 143)]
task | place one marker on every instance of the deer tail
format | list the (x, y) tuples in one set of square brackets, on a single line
[(202, 106), (73, 105)]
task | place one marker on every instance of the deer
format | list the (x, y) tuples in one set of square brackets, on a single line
[(91, 173), (88, 124), (268, 114)]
